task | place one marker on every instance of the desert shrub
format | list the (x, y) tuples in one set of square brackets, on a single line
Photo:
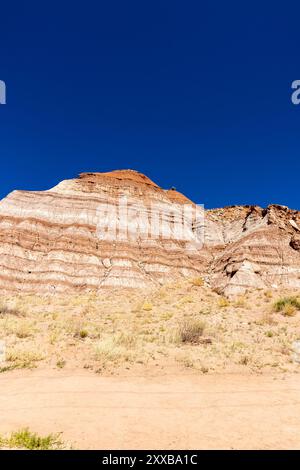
[(26, 439), (17, 326), (223, 302), (77, 328), (197, 281), (114, 348), (147, 306), (268, 294), (289, 310), (61, 363), (83, 334), (22, 358), (287, 305), (187, 299), (244, 360), (240, 302), (166, 316), (24, 330), (191, 330), (125, 339)]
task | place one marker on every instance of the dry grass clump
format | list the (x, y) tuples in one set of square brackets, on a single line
[(25, 439), (80, 331), (289, 310), (147, 306), (18, 327), (23, 358), (127, 340), (190, 331), (268, 294), (240, 302), (287, 305), (61, 363), (223, 302), (116, 348), (83, 334), (197, 282)]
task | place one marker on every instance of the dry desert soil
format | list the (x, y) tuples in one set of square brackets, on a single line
[(179, 367), (168, 411)]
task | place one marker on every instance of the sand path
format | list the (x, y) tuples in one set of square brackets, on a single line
[(162, 412)]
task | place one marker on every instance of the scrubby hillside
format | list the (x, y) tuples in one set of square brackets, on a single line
[(181, 326)]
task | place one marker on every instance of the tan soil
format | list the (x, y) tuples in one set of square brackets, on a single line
[(179, 411)]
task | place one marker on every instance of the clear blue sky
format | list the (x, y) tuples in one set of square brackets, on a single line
[(194, 94)]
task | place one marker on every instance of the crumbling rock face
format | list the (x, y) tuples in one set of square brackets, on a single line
[(50, 241), (295, 242), (261, 255)]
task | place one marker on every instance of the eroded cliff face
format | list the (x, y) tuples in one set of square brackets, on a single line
[(259, 248), (50, 241)]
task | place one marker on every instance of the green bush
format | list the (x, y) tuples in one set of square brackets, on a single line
[(281, 304), (26, 439)]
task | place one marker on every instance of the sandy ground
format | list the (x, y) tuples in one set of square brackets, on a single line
[(162, 412)]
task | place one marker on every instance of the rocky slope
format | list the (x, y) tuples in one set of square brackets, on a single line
[(64, 239), (259, 248)]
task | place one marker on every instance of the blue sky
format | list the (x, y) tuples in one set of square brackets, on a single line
[(194, 94)]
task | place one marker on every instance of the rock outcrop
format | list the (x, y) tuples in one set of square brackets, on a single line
[(49, 240), (64, 239), (259, 248)]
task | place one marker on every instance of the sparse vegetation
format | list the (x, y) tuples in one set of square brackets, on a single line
[(83, 334), (61, 363), (22, 358), (223, 302), (197, 281), (240, 302), (244, 360), (19, 327), (25, 439), (191, 330), (111, 350), (147, 306), (289, 310), (287, 305), (268, 294), (137, 328)]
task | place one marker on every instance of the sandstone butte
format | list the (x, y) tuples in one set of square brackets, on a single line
[(49, 241)]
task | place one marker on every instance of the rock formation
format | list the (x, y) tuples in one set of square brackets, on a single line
[(259, 248), (65, 239)]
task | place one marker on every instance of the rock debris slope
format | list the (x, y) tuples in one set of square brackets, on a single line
[(65, 240)]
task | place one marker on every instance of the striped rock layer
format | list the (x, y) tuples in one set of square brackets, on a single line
[(66, 239)]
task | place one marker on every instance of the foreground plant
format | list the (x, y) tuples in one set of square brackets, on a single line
[(190, 331), (25, 439), (287, 305)]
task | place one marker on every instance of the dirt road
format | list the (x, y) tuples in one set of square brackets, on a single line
[(171, 412)]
